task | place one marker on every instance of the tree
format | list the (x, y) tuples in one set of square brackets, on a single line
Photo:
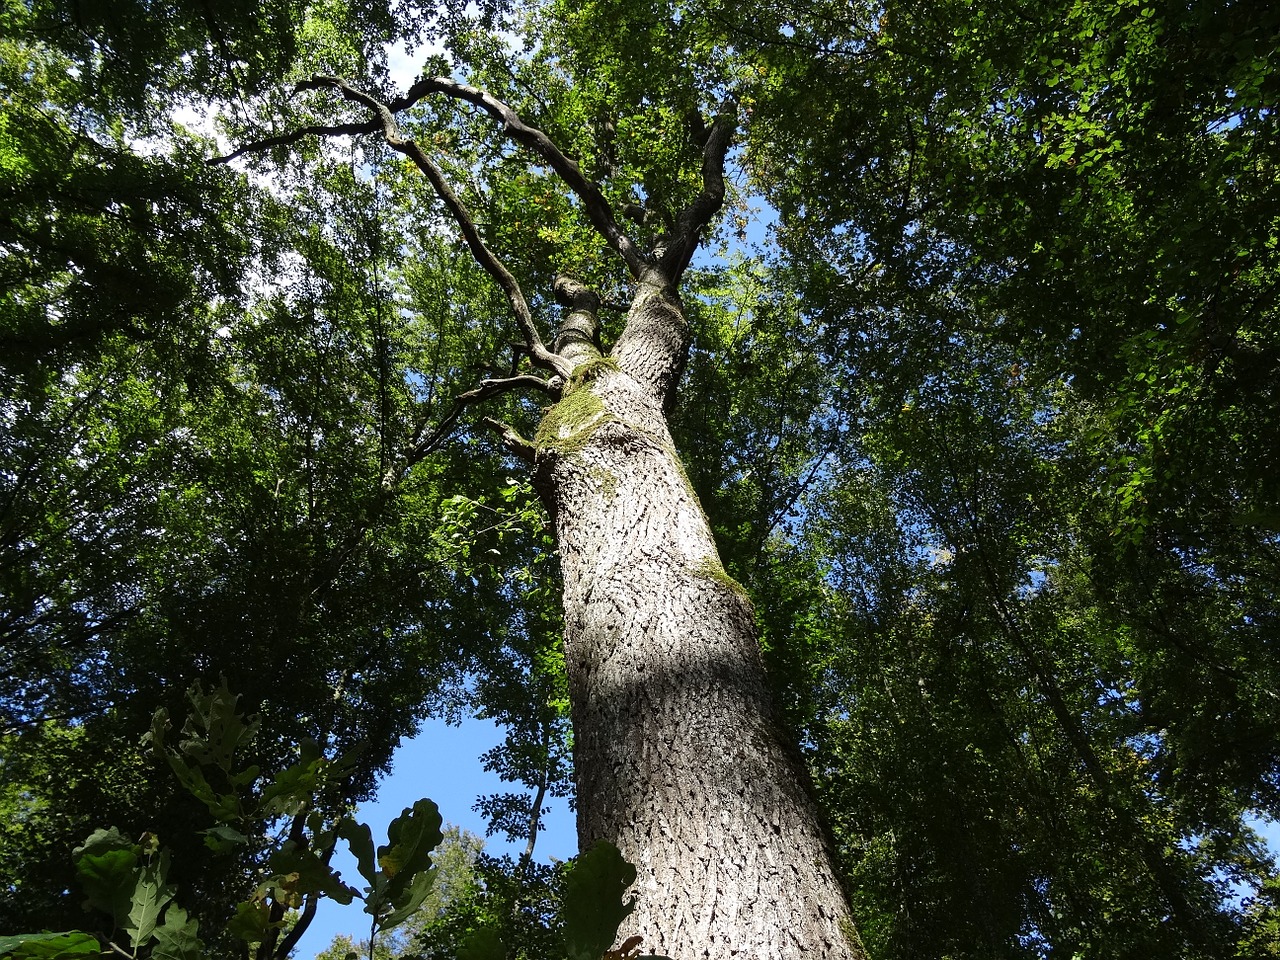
[(986, 441), (196, 477), (671, 709), (659, 639), (1018, 239)]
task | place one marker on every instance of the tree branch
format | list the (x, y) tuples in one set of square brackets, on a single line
[(422, 446), (594, 203), (284, 139), (491, 388), (512, 440), (691, 221), (461, 215)]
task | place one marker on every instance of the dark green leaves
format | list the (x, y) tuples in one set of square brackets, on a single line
[(402, 876), (412, 836), (107, 868), (175, 939), (594, 901), (50, 946), (129, 882)]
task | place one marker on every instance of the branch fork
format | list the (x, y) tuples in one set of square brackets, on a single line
[(578, 337)]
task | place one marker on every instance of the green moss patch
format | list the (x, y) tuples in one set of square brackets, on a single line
[(585, 373), (569, 424), (710, 568)]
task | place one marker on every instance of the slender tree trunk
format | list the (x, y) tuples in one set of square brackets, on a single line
[(678, 757)]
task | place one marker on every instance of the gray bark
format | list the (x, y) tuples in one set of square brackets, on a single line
[(678, 756)]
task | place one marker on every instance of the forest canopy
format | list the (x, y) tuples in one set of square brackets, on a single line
[(976, 388)]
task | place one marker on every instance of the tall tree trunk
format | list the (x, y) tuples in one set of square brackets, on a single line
[(679, 759)]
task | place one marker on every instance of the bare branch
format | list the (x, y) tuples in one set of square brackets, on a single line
[(284, 139), (422, 446), (461, 215), (517, 444), (593, 201), (692, 220), (491, 388), (538, 351)]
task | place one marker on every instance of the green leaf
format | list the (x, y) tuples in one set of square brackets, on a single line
[(49, 946), (412, 835), (296, 784), (222, 838), (107, 868), (594, 906), (360, 841), (215, 731), (301, 871), (159, 725), (251, 921), (177, 938), (150, 896), (409, 899), (223, 806)]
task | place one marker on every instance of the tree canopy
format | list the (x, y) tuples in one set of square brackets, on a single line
[(981, 404)]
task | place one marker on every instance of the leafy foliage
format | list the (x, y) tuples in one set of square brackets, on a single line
[(129, 882), (986, 429)]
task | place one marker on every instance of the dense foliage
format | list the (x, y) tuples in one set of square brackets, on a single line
[(1041, 252), (982, 409), (218, 428)]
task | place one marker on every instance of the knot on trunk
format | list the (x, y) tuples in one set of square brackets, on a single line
[(575, 295)]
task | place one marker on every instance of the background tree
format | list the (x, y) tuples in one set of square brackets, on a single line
[(214, 445), (1038, 253)]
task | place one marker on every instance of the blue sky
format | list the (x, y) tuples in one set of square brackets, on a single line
[(441, 763)]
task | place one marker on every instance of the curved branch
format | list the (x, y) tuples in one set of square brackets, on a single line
[(284, 139), (597, 208), (461, 215), (483, 255), (492, 388), (692, 220)]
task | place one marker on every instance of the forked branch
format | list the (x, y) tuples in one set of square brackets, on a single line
[(673, 258), (424, 443), (487, 259), (597, 208), (692, 220)]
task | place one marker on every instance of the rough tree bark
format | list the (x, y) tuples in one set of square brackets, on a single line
[(678, 756), (678, 759)]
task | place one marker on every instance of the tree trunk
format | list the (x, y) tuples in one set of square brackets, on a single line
[(678, 756)]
